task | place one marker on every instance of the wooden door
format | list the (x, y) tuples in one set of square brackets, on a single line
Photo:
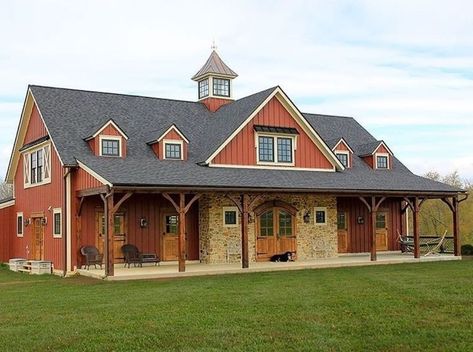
[(342, 225), (38, 239), (382, 231), (170, 236), (276, 233), (119, 234)]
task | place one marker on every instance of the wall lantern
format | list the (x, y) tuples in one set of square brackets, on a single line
[(360, 220), (26, 222), (307, 217), (44, 221), (143, 223)]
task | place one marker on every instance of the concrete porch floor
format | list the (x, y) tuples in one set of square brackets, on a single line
[(169, 269)]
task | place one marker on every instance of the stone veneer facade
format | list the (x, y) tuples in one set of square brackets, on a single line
[(218, 243)]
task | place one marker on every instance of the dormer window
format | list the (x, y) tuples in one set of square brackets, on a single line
[(203, 88), (382, 161), (344, 158), (221, 87), (110, 146), (173, 150)]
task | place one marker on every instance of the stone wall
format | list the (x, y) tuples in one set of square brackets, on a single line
[(313, 241)]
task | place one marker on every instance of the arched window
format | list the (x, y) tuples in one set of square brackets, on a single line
[(266, 224)]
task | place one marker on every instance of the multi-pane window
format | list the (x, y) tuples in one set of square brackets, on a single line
[(285, 223), (37, 166), (266, 225), (34, 166), (230, 217), (173, 151), (342, 221), (172, 222), (57, 222), (266, 148), (381, 161), (203, 88), (19, 224), (111, 147), (321, 216), (221, 87), (343, 157), (284, 150), (381, 220)]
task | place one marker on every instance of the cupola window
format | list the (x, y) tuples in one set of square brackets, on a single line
[(221, 87), (203, 88)]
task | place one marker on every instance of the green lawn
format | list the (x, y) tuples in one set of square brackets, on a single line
[(402, 307)]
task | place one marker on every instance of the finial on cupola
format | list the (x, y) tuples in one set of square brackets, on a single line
[(214, 81)]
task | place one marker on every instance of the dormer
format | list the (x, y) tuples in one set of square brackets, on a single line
[(377, 155), (214, 83), (342, 150), (171, 145), (108, 141)]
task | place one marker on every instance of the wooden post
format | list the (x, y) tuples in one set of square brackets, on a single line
[(373, 228), (109, 228), (182, 232), (456, 228), (416, 225), (245, 200)]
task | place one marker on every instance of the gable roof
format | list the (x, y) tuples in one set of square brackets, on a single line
[(370, 148), (334, 143), (214, 65), (71, 115), (104, 126)]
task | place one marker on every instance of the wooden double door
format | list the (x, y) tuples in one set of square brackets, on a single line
[(276, 233), (37, 240), (119, 234)]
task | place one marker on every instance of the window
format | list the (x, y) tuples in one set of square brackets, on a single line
[(230, 216), (266, 148), (110, 147), (275, 149), (119, 224), (381, 161), (285, 223), (320, 216), (173, 151), (344, 158), (266, 225), (381, 220), (37, 166), (19, 224), (171, 223), (284, 150), (203, 88), (342, 221), (221, 87), (57, 222)]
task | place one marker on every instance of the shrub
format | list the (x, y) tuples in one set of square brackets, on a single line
[(467, 249)]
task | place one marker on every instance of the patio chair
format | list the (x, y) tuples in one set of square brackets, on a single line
[(434, 246), (92, 256), (407, 244), (134, 256)]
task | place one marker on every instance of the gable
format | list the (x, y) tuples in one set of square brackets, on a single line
[(172, 134), (109, 129), (36, 128), (382, 149), (241, 150), (83, 180)]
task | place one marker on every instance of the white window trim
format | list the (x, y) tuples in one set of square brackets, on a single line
[(57, 211), (115, 138), (46, 165), (235, 209), (376, 161), (275, 149), (22, 225), (347, 153), (173, 141), (316, 209)]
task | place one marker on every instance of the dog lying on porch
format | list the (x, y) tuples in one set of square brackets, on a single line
[(285, 257)]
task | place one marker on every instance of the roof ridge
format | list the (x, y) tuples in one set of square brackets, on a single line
[(112, 93), (339, 116)]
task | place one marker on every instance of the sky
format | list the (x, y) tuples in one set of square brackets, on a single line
[(403, 69)]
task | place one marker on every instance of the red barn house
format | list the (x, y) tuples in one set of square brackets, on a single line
[(216, 180)]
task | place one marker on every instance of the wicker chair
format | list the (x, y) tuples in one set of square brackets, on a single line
[(92, 256)]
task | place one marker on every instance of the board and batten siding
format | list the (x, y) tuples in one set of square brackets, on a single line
[(242, 149), (110, 130), (7, 231), (359, 234), (36, 128)]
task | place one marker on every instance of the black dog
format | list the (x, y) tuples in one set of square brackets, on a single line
[(286, 257)]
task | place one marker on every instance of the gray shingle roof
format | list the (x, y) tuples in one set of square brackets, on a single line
[(368, 148), (214, 64), (72, 115)]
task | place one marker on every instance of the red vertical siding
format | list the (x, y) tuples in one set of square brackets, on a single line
[(359, 234), (7, 232), (83, 180), (369, 160), (242, 149), (110, 130), (36, 128), (213, 104)]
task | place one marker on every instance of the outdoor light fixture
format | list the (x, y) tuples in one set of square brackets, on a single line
[(26, 222), (143, 223), (307, 217), (360, 220), (44, 221)]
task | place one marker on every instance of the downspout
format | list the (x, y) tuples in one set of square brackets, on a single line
[(64, 220)]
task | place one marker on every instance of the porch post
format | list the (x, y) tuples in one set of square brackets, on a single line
[(416, 225), (182, 232), (109, 227), (245, 199), (456, 227), (373, 228)]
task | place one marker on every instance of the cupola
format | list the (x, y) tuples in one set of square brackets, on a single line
[(214, 82)]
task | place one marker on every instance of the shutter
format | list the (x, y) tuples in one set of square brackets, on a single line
[(47, 162), (26, 168)]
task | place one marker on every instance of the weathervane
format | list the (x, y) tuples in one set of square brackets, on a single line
[(214, 46)]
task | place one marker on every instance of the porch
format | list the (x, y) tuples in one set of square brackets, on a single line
[(169, 270)]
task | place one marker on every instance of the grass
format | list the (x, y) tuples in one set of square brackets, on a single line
[(424, 306)]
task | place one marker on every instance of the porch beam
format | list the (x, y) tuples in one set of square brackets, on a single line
[(365, 202), (79, 207), (245, 205), (373, 209), (92, 191), (408, 204), (416, 225), (449, 203), (182, 232), (171, 200), (456, 227), (121, 201), (108, 243)]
